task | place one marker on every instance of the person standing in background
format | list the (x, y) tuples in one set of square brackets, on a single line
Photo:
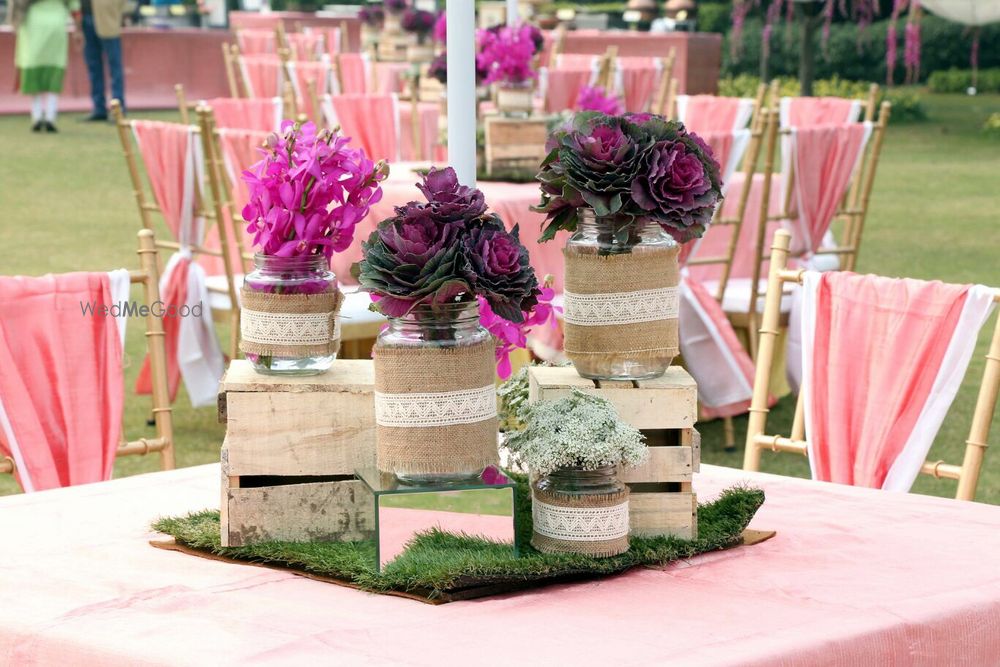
[(40, 55), (101, 25)]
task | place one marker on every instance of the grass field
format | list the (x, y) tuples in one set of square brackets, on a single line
[(66, 204)]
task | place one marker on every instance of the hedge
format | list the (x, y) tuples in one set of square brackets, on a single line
[(944, 45), (960, 80)]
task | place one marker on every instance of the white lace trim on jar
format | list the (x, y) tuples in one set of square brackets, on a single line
[(592, 310), (288, 328), (436, 408), (580, 524)]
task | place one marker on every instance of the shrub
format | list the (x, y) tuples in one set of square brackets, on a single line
[(960, 80), (992, 125), (944, 45)]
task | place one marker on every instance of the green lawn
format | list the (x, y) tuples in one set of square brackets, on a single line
[(66, 204)]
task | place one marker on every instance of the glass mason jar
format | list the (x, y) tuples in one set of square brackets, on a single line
[(303, 275), (437, 455), (632, 334), (515, 99), (580, 482)]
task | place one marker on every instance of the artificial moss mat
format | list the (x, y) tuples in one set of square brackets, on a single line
[(441, 567)]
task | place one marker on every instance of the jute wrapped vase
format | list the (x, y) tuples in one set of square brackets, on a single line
[(620, 310), (591, 519), (435, 398)]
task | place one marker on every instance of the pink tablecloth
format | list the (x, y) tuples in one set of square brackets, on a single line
[(854, 576)]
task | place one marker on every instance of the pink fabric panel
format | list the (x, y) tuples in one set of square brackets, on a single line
[(564, 86), (389, 77), (256, 42), (332, 39), (721, 361), (369, 120), (824, 159), (881, 597), (318, 73), (711, 113), (238, 113), (812, 111), (878, 347), (305, 46), (163, 148), (429, 113), (263, 73), (640, 78), (61, 384), (716, 240), (353, 74)]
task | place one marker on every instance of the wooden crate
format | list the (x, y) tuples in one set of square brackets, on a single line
[(662, 500), (292, 446), (512, 143)]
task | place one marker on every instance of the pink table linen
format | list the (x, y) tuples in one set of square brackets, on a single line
[(854, 576)]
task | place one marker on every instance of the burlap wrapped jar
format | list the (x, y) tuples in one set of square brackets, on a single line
[(621, 300), (289, 318), (435, 398), (581, 512)]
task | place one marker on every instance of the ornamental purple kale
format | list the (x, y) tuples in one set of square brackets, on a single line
[(499, 269), (447, 200)]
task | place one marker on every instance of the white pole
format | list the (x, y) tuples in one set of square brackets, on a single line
[(512, 13), (462, 89)]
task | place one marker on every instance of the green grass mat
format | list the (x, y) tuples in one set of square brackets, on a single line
[(442, 566)]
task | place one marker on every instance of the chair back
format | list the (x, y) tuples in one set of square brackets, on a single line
[(311, 80), (260, 114), (62, 418), (262, 75), (256, 42), (636, 80), (882, 360), (371, 121), (714, 113), (561, 86)]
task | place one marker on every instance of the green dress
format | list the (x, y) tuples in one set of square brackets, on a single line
[(42, 44)]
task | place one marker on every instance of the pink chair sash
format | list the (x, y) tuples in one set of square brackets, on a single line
[(166, 152), (562, 87), (882, 359), (389, 77), (824, 159), (713, 354), (812, 111), (263, 75), (260, 114), (637, 81), (429, 113), (318, 72), (371, 122), (305, 45), (61, 387), (353, 73), (256, 42), (332, 38), (710, 113)]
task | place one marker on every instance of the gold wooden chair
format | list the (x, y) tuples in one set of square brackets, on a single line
[(230, 58), (147, 206), (967, 474), (149, 277)]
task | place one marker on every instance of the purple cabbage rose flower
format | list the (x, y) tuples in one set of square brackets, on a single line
[(447, 200), (499, 268)]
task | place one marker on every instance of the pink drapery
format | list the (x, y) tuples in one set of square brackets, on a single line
[(353, 70), (263, 75), (61, 388), (824, 159), (637, 80), (882, 360), (305, 45), (332, 39), (303, 73), (812, 111), (260, 114), (429, 113), (371, 122), (562, 87), (256, 42), (389, 77), (711, 113)]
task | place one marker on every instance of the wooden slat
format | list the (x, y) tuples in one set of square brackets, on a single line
[(660, 514), (669, 401), (340, 511), (345, 375), (664, 464)]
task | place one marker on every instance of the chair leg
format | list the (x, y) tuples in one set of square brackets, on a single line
[(729, 434)]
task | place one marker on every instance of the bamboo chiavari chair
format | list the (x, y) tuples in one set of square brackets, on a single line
[(663, 100), (147, 207), (230, 52), (967, 474), (149, 277), (853, 216)]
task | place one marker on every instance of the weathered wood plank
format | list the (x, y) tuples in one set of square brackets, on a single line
[(669, 401), (342, 511), (346, 375), (664, 464), (660, 514)]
